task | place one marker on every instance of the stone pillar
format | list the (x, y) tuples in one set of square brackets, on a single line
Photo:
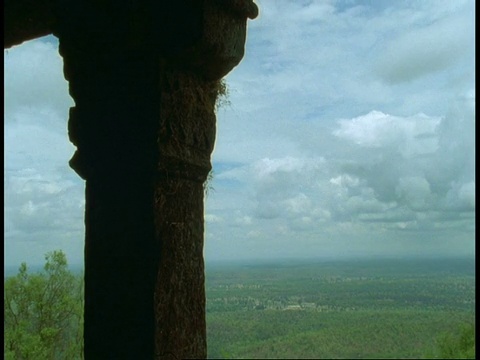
[(115, 84), (144, 76), (190, 86)]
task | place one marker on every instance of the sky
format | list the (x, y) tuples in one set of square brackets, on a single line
[(348, 131)]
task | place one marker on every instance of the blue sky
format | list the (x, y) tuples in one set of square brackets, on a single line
[(349, 132)]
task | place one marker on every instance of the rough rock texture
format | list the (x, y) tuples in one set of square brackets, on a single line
[(186, 139), (189, 88), (144, 76)]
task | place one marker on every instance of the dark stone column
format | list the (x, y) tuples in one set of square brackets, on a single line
[(114, 78), (114, 125), (144, 78)]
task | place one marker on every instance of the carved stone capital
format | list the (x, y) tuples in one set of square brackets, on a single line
[(222, 45)]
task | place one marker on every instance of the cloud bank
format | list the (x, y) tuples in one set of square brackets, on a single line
[(350, 132)]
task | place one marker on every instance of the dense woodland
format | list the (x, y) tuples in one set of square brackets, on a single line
[(410, 308), (342, 309)]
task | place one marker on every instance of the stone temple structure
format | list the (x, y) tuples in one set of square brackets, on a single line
[(144, 76)]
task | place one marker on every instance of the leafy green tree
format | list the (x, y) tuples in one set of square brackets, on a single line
[(43, 312)]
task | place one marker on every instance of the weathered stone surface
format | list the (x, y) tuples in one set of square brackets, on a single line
[(185, 140), (186, 137), (180, 289)]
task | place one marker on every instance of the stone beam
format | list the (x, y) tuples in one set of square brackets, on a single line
[(26, 20)]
